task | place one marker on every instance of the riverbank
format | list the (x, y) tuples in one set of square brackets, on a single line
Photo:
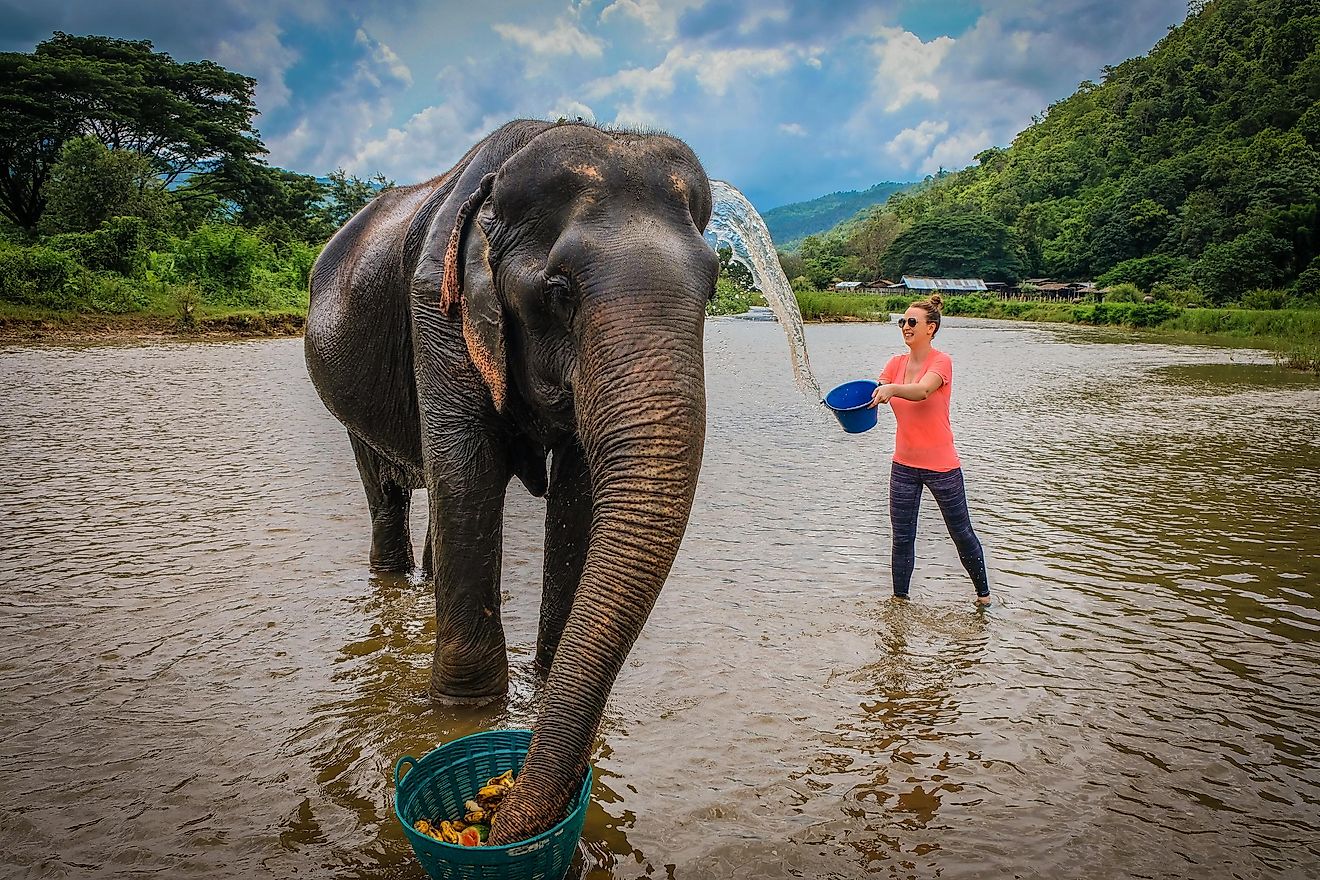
[(27, 325), (1292, 334)]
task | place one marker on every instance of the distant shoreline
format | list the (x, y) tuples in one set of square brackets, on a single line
[(79, 328), (75, 327)]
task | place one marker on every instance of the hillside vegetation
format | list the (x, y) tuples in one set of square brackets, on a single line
[(789, 224), (1193, 171)]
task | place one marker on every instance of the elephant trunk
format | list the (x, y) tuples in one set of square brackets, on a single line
[(641, 410)]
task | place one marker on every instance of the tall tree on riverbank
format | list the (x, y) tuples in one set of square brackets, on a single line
[(184, 118)]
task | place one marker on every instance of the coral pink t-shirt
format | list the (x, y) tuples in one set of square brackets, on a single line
[(924, 438)]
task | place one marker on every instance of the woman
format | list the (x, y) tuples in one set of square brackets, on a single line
[(917, 386)]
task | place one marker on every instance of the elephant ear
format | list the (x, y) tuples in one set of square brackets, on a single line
[(469, 282)]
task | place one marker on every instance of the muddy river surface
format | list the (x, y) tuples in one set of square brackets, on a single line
[(199, 678)]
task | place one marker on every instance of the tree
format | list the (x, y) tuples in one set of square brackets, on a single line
[(1146, 272), (869, 241), (90, 184), (737, 274), (287, 204), (956, 245), (822, 259), (792, 264), (183, 118), (1254, 260), (346, 195)]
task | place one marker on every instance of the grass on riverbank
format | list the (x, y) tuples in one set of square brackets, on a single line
[(1293, 334), (34, 323)]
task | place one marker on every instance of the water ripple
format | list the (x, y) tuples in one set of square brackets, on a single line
[(199, 676)]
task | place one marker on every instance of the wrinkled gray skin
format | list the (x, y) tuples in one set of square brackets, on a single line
[(542, 302)]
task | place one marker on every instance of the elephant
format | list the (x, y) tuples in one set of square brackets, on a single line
[(536, 311)]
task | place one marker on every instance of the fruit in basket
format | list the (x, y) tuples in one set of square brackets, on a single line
[(479, 815)]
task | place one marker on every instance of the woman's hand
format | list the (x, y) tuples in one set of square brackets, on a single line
[(882, 394)]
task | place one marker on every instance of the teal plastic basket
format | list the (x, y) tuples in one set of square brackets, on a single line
[(441, 782)]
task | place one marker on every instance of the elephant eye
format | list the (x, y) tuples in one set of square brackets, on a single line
[(559, 296)]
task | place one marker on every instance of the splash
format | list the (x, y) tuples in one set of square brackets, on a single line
[(735, 223)]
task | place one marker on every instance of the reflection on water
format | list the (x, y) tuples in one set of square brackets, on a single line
[(200, 677)]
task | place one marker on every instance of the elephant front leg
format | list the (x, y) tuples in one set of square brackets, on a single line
[(567, 529), (466, 537)]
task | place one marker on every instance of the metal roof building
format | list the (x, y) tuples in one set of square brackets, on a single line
[(913, 282)]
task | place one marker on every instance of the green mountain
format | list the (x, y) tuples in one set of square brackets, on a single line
[(1197, 165), (789, 224)]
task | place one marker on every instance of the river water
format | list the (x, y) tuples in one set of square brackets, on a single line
[(200, 679)]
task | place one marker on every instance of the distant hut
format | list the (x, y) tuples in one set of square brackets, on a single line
[(951, 285)]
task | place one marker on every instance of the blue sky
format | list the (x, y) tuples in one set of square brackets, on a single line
[(785, 99)]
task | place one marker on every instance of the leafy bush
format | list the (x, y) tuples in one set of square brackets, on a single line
[(118, 246), (1305, 291), (1127, 314), (114, 294), (162, 268), (956, 245), (90, 184), (1252, 260), (1123, 293), (1263, 299), (731, 299), (296, 260), (277, 290), (815, 305), (1145, 272), (1187, 297), (221, 260), (40, 276), (188, 301)]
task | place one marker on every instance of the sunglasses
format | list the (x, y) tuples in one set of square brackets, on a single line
[(911, 322)]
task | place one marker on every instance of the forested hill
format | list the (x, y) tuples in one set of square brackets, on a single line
[(790, 223), (1197, 165)]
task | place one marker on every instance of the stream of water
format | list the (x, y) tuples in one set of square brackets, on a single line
[(734, 222)]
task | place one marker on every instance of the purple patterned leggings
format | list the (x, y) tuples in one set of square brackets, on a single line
[(904, 501)]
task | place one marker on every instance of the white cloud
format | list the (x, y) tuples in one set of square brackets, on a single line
[(792, 128), (753, 19), (956, 152), (564, 38), (570, 109), (424, 146), (659, 17), (383, 58), (906, 66), (258, 53), (912, 144), (716, 72), (334, 133)]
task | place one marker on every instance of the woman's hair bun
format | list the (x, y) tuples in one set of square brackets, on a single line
[(936, 300)]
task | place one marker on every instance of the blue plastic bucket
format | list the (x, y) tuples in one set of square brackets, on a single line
[(437, 786), (851, 405)]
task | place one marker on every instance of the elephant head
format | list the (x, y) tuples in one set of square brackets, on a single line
[(579, 273)]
